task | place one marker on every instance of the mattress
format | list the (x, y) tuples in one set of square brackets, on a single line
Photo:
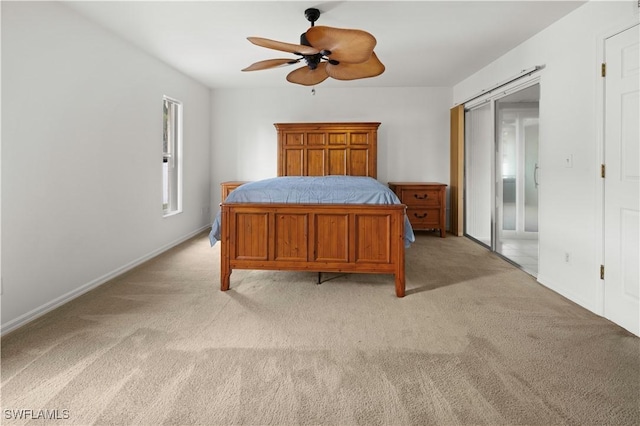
[(314, 190)]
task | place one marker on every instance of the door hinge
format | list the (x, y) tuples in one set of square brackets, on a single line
[(602, 171), (603, 69), (602, 272)]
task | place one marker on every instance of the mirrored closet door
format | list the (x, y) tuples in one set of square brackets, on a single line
[(501, 174), (517, 123)]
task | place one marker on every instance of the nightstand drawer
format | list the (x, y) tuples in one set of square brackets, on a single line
[(424, 217), (420, 197)]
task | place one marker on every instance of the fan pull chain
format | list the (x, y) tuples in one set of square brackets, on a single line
[(313, 91)]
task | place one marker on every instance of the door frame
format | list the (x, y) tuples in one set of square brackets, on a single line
[(456, 183)]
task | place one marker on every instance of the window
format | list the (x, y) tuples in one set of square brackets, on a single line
[(172, 157)]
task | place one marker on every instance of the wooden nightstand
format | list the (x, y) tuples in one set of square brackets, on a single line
[(229, 186), (426, 204)]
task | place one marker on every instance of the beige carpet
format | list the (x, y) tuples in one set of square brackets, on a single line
[(475, 341)]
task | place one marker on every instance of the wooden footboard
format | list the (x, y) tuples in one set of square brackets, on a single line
[(313, 237)]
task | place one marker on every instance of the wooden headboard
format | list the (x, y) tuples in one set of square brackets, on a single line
[(321, 149)]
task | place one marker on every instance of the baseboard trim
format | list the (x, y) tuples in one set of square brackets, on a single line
[(566, 294), (32, 315)]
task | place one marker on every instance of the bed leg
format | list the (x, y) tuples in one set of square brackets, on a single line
[(400, 285), (225, 273), (225, 266), (319, 278), (224, 281)]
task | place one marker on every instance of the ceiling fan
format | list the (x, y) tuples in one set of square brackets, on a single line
[(343, 54)]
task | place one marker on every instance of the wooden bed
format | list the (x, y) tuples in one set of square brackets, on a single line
[(352, 238)]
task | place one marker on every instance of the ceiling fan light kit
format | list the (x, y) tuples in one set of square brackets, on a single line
[(342, 54)]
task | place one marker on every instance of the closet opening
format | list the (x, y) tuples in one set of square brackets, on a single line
[(501, 174)]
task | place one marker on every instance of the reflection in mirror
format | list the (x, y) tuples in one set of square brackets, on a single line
[(517, 124)]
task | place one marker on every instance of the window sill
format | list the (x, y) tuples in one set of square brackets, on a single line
[(164, 215)]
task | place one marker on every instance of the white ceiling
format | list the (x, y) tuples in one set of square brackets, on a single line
[(421, 43)]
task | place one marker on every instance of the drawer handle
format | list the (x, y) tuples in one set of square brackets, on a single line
[(420, 216), (421, 197)]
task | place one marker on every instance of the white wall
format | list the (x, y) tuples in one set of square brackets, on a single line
[(81, 157), (570, 110), (413, 139)]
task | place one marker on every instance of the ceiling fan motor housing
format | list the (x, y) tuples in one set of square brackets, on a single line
[(312, 61), (303, 40)]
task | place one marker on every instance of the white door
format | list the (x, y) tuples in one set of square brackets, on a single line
[(478, 149), (621, 184)]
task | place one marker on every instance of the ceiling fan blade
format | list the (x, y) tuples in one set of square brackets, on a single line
[(284, 47), (308, 77), (270, 63), (345, 71), (351, 46)]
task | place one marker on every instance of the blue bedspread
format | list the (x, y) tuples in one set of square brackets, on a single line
[(314, 190)]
